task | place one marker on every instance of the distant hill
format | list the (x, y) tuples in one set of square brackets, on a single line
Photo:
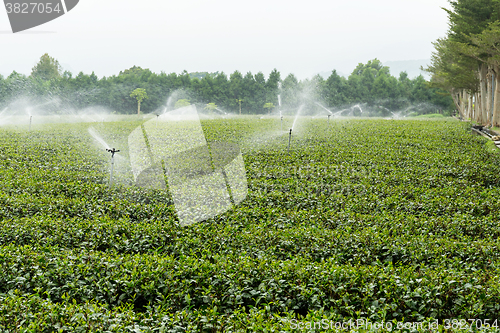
[(412, 67)]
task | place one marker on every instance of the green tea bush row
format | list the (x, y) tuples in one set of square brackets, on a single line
[(378, 219), (231, 282), (411, 242)]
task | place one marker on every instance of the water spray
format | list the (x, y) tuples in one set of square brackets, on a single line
[(222, 112), (289, 140), (112, 151)]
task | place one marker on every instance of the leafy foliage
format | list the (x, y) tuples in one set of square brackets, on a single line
[(369, 83), (47, 68), (399, 223)]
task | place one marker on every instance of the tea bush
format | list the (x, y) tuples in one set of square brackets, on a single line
[(379, 219)]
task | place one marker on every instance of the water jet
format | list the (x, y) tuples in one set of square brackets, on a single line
[(297, 116), (222, 112), (324, 108)]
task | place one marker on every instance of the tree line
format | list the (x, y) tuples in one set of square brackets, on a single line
[(370, 83), (466, 62)]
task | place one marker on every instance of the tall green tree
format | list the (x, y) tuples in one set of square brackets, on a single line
[(291, 92), (260, 91), (272, 86), (140, 94), (249, 95), (485, 47), (47, 68), (454, 69), (235, 90), (335, 90)]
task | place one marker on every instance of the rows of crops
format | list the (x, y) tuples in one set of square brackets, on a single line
[(377, 219)]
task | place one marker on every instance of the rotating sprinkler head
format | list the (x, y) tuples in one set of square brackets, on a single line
[(289, 140), (112, 151)]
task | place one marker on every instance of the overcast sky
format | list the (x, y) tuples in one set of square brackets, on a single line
[(300, 37)]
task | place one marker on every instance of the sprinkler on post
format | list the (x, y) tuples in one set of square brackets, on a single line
[(157, 116), (329, 118), (112, 151), (289, 140), (282, 123), (31, 118)]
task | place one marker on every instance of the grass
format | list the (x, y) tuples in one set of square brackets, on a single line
[(375, 219), (431, 115), (490, 146)]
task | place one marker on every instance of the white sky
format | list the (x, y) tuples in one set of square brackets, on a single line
[(300, 37)]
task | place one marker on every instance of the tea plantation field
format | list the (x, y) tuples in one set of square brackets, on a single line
[(378, 219)]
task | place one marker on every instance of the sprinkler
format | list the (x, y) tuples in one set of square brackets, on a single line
[(282, 123), (31, 117), (112, 151), (289, 140), (329, 118), (157, 116)]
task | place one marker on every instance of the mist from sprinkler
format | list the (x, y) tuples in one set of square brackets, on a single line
[(222, 112), (279, 106), (330, 112), (281, 115), (396, 115), (357, 106), (96, 136), (297, 116), (110, 150)]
